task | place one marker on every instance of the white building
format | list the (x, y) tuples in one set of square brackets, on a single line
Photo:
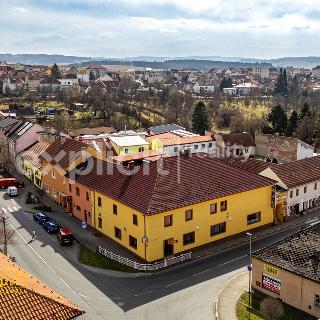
[(301, 179), (203, 89), (262, 72), (316, 72)]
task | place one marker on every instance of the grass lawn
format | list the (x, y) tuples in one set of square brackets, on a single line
[(242, 311), (93, 259)]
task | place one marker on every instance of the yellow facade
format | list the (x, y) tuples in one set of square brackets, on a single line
[(33, 173), (156, 145), (151, 227), (121, 151)]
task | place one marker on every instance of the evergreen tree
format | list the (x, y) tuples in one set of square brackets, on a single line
[(292, 124), (200, 119), (281, 86), (305, 111), (91, 76), (55, 71), (278, 119), (225, 83)]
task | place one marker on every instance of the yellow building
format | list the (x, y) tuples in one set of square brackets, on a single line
[(128, 144), (177, 203)]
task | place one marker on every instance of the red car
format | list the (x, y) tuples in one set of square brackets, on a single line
[(10, 182), (65, 236)]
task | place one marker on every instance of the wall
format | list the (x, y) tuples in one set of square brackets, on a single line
[(131, 149), (295, 290), (239, 206), (304, 151)]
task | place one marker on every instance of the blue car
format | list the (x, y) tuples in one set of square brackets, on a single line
[(51, 226), (40, 217)]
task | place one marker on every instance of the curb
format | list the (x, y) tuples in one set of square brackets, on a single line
[(216, 302)]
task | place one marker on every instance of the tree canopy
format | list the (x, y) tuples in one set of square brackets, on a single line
[(200, 119), (281, 86), (278, 119), (55, 71), (225, 83)]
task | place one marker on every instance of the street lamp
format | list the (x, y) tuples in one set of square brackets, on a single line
[(5, 243), (250, 266)]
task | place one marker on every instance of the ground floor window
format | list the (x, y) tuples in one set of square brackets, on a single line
[(317, 300), (254, 218), (133, 243), (117, 233), (188, 238), (217, 229), (99, 222)]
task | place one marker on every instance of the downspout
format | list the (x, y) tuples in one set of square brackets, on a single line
[(94, 209), (145, 238)]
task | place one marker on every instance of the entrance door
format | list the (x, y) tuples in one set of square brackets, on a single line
[(168, 247), (85, 216)]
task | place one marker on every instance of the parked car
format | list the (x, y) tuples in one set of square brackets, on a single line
[(40, 217), (10, 182), (65, 236), (12, 191), (51, 226)]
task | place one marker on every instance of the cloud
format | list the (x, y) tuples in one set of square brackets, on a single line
[(19, 10)]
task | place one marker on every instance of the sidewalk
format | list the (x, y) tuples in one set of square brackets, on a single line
[(228, 296)]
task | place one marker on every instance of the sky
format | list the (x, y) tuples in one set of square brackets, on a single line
[(168, 28)]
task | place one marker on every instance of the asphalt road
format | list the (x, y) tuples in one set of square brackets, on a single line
[(95, 292)]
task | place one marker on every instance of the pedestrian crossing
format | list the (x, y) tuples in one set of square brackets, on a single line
[(9, 209)]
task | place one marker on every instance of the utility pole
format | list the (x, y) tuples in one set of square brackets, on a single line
[(5, 244), (250, 269)]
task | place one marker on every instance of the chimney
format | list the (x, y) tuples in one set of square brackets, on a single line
[(83, 154)]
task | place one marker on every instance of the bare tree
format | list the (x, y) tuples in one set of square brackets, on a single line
[(272, 308), (7, 234)]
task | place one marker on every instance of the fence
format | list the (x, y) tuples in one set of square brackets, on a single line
[(145, 266)]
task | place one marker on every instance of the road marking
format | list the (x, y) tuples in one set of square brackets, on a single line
[(11, 210), (15, 208), (4, 210), (197, 274), (174, 283), (141, 294)]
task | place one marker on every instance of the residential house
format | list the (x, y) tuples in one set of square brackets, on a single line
[(261, 72), (23, 296), (203, 89), (181, 141), (49, 84), (33, 82), (12, 85), (281, 149), (124, 143), (316, 72), (289, 271), (301, 179), (235, 144), (97, 70), (58, 159), (175, 204), (20, 136), (4, 67), (69, 82)]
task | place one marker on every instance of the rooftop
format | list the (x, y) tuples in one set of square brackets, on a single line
[(299, 253), (128, 140), (243, 138), (250, 164), (165, 128), (29, 298), (33, 153), (182, 181)]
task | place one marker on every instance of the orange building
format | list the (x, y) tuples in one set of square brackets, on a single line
[(62, 156)]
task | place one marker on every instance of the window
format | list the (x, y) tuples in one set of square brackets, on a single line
[(223, 205), (126, 150), (53, 174), (195, 147), (315, 186), (213, 208), (141, 149), (297, 192), (291, 194), (168, 221), (189, 214), (70, 187), (203, 146), (77, 191), (317, 300), (175, 149), (99, 202), (78, 208), (87, 196), (210, 145), (188, 238), (217, 229), (133, 242), (305, 189), (135, 219), (115, 209), (100, 222), (117, 233), (54, 192), (254, 218), (246, 150)]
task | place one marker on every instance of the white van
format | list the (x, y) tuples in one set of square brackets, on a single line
[(12, 191)]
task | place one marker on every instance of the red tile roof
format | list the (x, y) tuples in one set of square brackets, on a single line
[(171, 139), (250, 164), (63, 151), (242, 139), (23, 296), (33, 153), (148, 155), (189, 180), (298, 172)]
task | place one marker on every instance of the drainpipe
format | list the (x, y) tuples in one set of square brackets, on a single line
[(145, 238), (94, 209)]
